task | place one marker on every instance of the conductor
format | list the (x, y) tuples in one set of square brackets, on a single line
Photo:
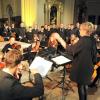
[(83, 52)]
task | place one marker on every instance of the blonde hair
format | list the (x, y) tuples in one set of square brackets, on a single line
[(91, 27), (88, 26)]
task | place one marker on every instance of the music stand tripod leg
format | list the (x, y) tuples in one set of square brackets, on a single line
[(48, 77), (63, 83)]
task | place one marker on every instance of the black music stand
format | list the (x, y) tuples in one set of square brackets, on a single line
[(62, 61)]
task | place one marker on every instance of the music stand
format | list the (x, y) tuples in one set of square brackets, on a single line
[(61, 61)]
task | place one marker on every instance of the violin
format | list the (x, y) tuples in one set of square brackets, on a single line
[(36, 46), (16, 46), (53, 43)]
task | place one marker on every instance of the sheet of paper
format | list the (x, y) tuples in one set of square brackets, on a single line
[(42, 65), (60, 60)]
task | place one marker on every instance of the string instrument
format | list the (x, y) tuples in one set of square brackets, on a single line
[(16, 46), (94, 75), (95, 70), (36, 47), (53, 43)]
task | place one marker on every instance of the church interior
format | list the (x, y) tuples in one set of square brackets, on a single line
[(28, 26)]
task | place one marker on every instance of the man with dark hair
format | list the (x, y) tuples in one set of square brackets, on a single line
[(9, 45), (11, 88)]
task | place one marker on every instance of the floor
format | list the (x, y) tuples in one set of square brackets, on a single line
[(54, 92)]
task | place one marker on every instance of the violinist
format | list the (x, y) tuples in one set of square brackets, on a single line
[(52, 41), (9, 45), (30, 52)]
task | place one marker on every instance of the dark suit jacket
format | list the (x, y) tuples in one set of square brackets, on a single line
[(62, 33), (11, 89), (82, 64), (21, 32)]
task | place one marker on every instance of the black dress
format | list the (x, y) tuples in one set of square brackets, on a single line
[(82, 64)]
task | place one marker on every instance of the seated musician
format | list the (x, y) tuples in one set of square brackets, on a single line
[(52, 41), (52, 45), (12, 89), (9, 45), (30, 52)]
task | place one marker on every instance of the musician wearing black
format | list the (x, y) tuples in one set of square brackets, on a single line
[(30, 52), (10, 87), (6, 32), (82, 64), (9, 45)]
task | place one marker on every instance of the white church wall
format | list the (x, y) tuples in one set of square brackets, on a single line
[(40, 12)]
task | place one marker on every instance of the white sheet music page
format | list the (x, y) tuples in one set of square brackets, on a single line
[(60, 60), (42, 65)]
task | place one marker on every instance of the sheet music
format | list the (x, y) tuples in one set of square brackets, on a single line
[(42, 65), (60, 60)]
